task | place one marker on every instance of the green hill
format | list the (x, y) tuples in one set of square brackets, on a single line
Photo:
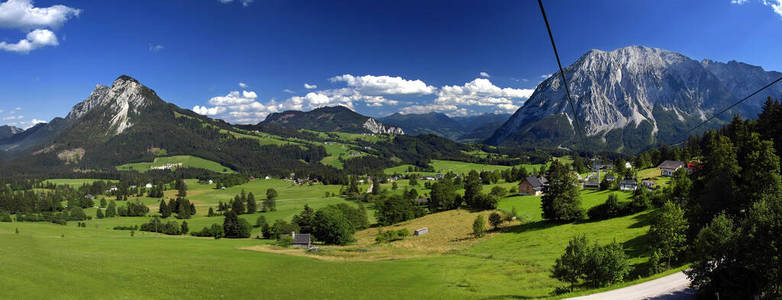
[(173, 162)]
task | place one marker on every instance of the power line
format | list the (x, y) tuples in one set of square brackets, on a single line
[(686, 133), (562, 74)]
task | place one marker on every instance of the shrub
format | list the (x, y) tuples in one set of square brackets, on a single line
[(499, 191), (479, 226), (392, 235), (495, 219), (5, 217), (215, 231), (332, 227), (285, 241)]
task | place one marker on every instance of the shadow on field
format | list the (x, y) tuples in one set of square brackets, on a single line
[(531, 226), (642, 220), (514, 297)]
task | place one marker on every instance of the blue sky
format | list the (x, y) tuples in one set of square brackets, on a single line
[(240, 60)]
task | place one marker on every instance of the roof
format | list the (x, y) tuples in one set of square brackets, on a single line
[(628, 182), (301, 239), (671, 164), (422, 200), (537, 181)]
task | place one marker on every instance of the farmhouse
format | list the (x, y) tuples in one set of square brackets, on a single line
[(610, 177), (650, 185), (533, 186), (668, 167), (628, 185)]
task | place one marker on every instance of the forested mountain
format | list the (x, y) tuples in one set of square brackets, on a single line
[(469, 128), (8, 131), (631, 98), (128, 122), (328, 119)]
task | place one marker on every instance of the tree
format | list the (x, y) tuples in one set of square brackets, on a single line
[(235, 227), (413, 181), (669, 232), (211, 213), (184, 229), (237, 206), (260, 221), (472, 187), (714, 249), (251, 204), (305, 219), (270, 204), (479, 226), (164, 210), (606, 265), (281, 227), (578, 164), (181, 188), (332, 227), (395, 209), (495, 219), (394, 186), (499, 191), (443, 196), (571, 265), (111, 210), (99, 214), (103, 202), (561, 200), (760, 172)]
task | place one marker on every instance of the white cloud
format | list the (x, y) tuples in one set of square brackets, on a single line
[(545, 76), (288, 91), (35, 39), (23, 15), (481, 92), (17, 108), (155, 48), (484, 74), (385, 85), (775, 5), (243, 85), (9, 118), (310, 86), (244, 3)]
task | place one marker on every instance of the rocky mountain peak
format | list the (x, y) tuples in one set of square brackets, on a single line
[(379, 128), (636, 87), (126, 95)]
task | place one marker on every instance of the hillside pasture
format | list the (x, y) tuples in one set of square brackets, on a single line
[(187, 161)]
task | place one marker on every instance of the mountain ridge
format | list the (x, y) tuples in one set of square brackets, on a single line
[(626, 100)]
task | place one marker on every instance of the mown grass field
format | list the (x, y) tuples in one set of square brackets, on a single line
[(187, 161), (63, 262)]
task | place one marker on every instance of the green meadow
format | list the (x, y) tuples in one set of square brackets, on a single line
[(187, 161), (63, 262)]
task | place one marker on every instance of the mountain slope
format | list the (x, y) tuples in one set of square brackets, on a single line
[(470, 128), (434, 123), (327, 119), (626, 100), (128, 122), (8, 131)]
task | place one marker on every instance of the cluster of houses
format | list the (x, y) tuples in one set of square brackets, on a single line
[(535, 186), (168, 166)]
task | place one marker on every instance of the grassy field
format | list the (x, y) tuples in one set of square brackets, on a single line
[(185, 160), (458, 167), (98, 262)]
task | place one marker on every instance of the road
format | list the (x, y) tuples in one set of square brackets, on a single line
[(672, 287)]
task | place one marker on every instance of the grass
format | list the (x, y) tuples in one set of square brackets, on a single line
[(98, 262), (185, 160)]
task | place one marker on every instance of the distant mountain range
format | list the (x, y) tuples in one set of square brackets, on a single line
[(327, 119), (632, 98), (8, 131), (463, 129)]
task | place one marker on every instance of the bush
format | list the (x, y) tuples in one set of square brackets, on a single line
[(598, 265), (612, 208), (215, 231), (5, 217), (76, 214), (495, 219), (285, 241), (479, 226), (260, 222), (499, 191), (132, 227), (155, 225), (392, 235)]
